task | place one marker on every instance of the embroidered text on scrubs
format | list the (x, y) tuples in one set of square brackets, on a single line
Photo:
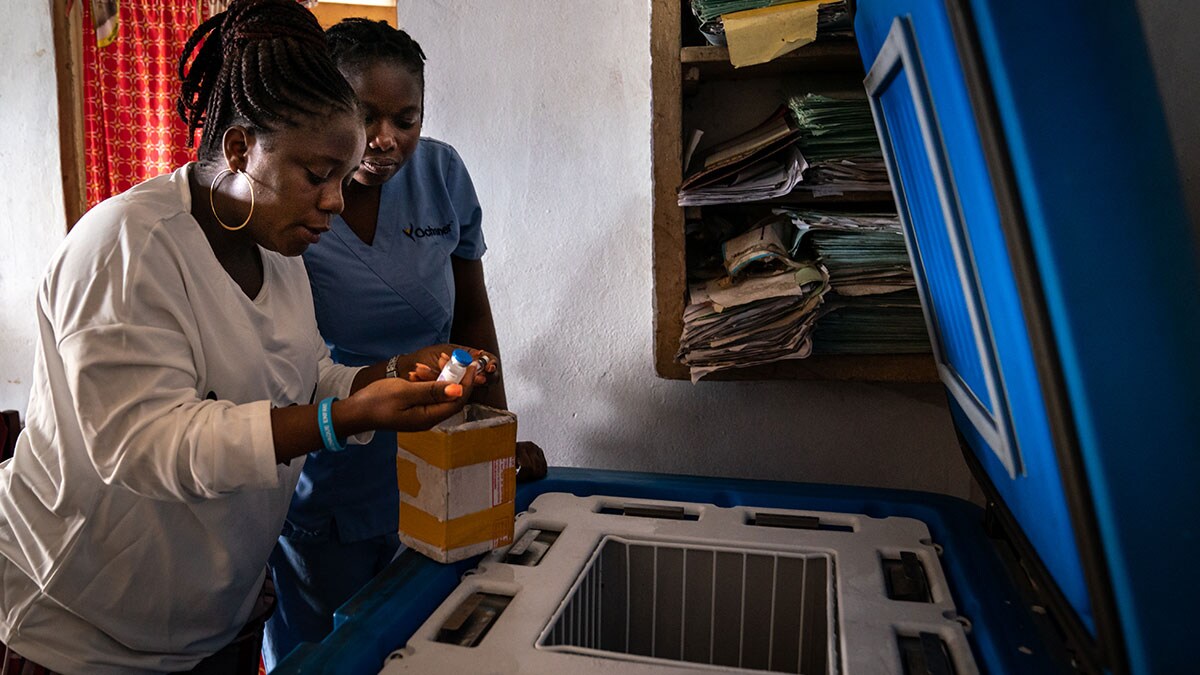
[(415, 233)]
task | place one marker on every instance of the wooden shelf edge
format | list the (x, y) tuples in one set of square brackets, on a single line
[(822, 49), (804, 197), (881, 368), (711, 62), (667, 368), (669, 264)]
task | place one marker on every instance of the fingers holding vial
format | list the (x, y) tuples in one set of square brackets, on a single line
[(453, 367), (487, 366)]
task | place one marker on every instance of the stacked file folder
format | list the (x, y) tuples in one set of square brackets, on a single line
[(871, 324), (759, 164), (833, 17), (760, 308), (864, 252), (752, 321), (837, 137), (872, 306)]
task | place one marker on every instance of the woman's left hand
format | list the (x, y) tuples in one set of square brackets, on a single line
[(531, 462)]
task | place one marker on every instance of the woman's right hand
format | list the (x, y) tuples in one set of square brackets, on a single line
[(388, 403), (401, 405)]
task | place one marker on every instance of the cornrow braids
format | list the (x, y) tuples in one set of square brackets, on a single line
[(355, 43), (262, 63)]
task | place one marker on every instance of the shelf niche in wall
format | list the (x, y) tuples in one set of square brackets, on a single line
[(681, 67)]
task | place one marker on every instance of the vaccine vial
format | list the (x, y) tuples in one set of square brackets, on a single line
[(456, 367)]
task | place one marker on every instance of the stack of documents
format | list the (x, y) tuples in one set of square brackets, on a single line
[(750, 321), (837, 137), (771, 176), (833, 128), (832, 16), (872, 306), (762, 310), (872, 324), (834, 20), (852, 174), (864, 252), (761, 163)]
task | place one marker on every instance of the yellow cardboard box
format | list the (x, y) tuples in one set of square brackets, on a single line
[(457, 482)]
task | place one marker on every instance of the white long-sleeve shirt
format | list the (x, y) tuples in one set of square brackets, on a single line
[(143, 498)]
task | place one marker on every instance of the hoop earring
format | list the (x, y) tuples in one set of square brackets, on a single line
[(213, 188)]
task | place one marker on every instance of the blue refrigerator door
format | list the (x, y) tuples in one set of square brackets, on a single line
[(1058, 271)]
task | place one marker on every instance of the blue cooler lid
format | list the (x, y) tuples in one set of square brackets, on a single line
[(1058, 271)]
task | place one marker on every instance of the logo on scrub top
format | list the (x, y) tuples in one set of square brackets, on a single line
[(416, 233)]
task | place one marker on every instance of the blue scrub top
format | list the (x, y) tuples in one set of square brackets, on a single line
[(394, 296)]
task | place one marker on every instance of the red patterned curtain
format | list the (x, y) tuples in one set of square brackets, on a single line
[(130, 55)]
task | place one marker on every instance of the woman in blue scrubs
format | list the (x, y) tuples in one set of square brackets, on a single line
[(399, 270)]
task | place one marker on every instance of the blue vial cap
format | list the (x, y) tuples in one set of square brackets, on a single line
[(462, 356)]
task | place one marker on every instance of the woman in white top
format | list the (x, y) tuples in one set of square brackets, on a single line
[(180, 379)]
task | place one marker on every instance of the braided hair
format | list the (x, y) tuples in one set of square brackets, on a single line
[(262, 63), (355, 43)]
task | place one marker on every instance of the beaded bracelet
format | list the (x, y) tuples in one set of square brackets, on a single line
[(325, 424)]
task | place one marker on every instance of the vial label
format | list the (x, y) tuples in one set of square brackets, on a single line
[(456, 367)]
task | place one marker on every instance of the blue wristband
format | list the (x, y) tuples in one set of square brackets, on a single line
[(325, 424)]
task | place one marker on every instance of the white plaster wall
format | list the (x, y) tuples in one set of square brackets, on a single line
[(32, 217), (549, 105)]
